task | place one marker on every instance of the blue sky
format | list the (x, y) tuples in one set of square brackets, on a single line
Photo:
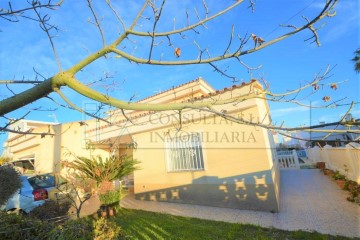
[(285, 65)]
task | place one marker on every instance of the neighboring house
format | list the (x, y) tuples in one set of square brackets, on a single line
[(202, 159), (334, 139), (42, 153), (327, 136), (21, 148)]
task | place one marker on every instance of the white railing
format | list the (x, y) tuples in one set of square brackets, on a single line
[(284, 153), (346, 159), (288, 159)]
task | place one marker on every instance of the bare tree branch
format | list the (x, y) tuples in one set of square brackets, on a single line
[(45, 27), (73, 106), (97, 23), (69, 77), (19, 82)]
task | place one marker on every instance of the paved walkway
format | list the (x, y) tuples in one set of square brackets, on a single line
[(309, 201)]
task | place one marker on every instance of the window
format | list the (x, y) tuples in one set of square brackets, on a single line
[(184, 153), (42, 181)]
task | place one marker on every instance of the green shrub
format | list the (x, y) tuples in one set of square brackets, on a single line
[(87, 228), (339, 176), (354, 190), (9, 183), (50, 209), (16, 227), (110, 197), (105, 229), (81, 229)]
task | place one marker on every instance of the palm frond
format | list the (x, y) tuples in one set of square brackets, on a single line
[(108, 169)]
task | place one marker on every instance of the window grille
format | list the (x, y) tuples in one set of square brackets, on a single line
[(184, 153)]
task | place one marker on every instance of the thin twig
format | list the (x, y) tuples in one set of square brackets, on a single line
[(97, 23)]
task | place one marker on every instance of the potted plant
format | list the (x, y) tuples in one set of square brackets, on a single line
[(340, 179), (354, 195), (352, 185), (104, 172), (331, 173), (326, 171), (103, 211), (109, 201), (354, 190), (320, 165)]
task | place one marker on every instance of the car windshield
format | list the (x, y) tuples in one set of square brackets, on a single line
[(42, 181)]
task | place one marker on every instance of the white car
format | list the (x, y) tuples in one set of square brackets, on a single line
[(34, 191)]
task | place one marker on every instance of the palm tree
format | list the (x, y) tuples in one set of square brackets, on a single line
[(104, 171), (356, 59)]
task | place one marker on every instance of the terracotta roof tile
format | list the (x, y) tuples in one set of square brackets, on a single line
[(189, 100), (174, 87)]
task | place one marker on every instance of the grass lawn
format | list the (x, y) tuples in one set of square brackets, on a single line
[(139, 224)]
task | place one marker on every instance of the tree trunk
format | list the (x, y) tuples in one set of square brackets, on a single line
[(105, 186)]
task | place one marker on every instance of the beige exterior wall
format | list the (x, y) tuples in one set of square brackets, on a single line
[(238, 173), (270, 147)]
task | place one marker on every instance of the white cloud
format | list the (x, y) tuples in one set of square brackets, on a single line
[(345, 20), (286, 111)]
